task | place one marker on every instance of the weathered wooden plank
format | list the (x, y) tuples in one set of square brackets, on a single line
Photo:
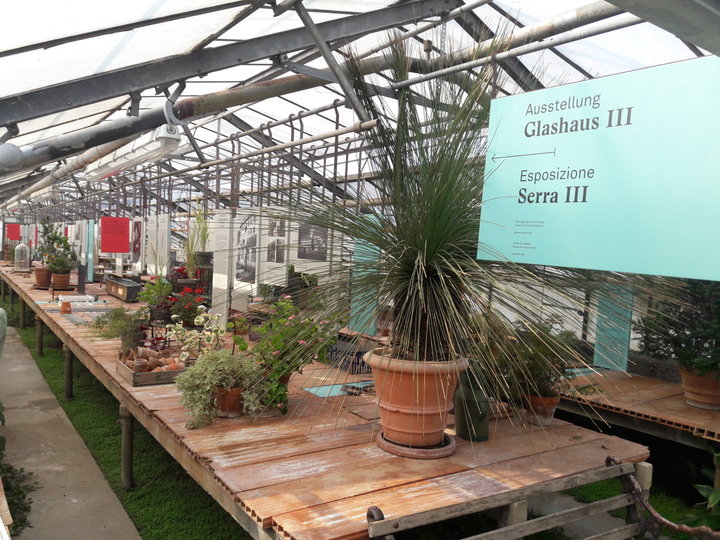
[(621, 533), (345, 480), (556, 519), (345, 518), (502, 498)]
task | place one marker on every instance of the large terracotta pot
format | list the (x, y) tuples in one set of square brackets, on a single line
[(229, 402), (42, 277), (414, 397), (702, 391), (540, 410), (61, 281)]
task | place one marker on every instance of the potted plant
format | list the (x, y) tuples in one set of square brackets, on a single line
[(180, 277), (60, 264), (687, 330), (49, 237), (120, 323), (156, 293), (200, 233), (218, 381), (290, 340), (544, 365), (187, 305)]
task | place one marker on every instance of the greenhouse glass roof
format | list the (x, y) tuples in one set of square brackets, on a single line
[(90, 75)]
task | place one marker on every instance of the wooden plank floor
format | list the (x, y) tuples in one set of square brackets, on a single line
[(313, 473), (649, 399)]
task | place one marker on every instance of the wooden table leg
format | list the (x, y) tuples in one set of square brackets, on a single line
[(39, 336), (126, 447), (22, 313), (68, 356), (2, 289), (12, 298)]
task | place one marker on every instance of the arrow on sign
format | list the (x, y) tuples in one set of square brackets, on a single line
[(496, 157)]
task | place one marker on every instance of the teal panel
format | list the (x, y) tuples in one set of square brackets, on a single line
[(363, 307), (618, 173), (612, 332), (90, 250)]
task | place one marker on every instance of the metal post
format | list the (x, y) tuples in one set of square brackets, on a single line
[(39, 336), (126, 447), (68, 356)]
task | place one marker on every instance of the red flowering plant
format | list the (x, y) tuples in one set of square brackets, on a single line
[(179, 272), (289, 341), (186, 307)]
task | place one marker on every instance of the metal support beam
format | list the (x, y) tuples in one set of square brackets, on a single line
[(68, 357), (266, 141), (79, 92), (127, 425), (333, 64)]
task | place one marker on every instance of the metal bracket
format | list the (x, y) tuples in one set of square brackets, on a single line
[(279, 9), (12, 131), (134, 108), (307, 70), (168, 106)]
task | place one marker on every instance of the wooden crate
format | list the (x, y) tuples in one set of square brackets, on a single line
[(146, 378)]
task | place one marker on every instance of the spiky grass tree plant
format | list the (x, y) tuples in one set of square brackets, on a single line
[(420, 215)]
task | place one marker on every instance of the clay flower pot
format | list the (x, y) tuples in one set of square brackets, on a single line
[(414, 399), (702, 391), (229, 402), (61, 281), (42, 277), (540, 410)]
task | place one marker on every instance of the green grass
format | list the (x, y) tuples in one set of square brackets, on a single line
[(667, 506), (166, 502)]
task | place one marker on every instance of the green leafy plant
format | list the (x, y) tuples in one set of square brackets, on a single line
[(545, 357), (198, 384), (62, 263), (156, 292), (201, 229), (707, 513), (207, 334), (120, 323), (686, 330), (18, 484), (290, 340)]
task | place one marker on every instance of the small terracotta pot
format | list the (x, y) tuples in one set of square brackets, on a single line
[(702, 391), (65, 307), (540, 410), (229, 402), (42, 277), (61, 281)]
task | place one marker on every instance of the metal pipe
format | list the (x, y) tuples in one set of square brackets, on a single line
[(73, 165), (621, 22)]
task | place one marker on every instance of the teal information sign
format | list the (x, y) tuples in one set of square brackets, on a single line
[(620, 173)]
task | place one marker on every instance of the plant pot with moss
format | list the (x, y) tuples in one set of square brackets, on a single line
[(60, 266)]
